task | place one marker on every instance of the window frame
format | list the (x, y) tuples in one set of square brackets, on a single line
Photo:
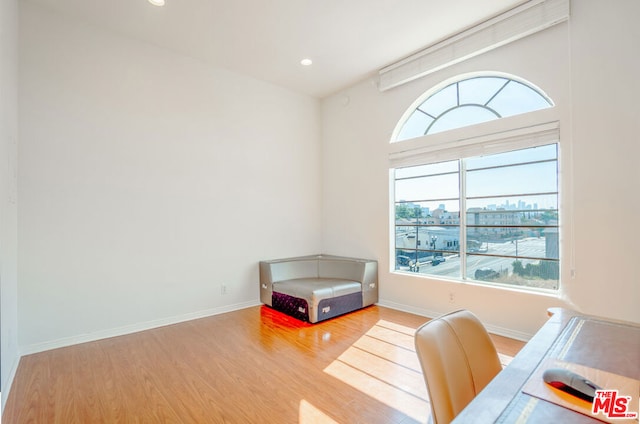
[(531, 129)]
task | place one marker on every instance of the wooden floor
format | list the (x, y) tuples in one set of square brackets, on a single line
[(249, 366)]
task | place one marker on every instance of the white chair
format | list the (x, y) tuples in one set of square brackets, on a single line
[(458, 359)]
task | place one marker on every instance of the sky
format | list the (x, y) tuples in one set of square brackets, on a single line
[(534, 172)]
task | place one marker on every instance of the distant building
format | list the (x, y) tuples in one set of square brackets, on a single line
[(440, 233), (492, 223), (430, 238)]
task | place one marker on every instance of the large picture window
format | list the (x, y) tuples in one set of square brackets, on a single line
[(484, 213), (508, 232)]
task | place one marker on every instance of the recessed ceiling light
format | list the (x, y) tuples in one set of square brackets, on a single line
[(306, 62), (157, 2)]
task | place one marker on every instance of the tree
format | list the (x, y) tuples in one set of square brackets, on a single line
[(402, 211), (518, 268), (546, 270), (405, 212), (549, 216)]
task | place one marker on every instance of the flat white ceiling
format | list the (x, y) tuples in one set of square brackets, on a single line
[(266, 39)]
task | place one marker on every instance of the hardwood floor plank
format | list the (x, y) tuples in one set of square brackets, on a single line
[(407, 358), (134, 380), (386, 371), (87, 393), (254, 365), (29, 402), (212, 373)]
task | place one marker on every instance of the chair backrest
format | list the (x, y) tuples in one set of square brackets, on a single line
[(458, 359)]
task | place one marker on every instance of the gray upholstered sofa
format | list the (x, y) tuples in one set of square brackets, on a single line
[(317, 287)]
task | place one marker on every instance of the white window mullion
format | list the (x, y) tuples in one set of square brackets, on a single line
[(462, 246)]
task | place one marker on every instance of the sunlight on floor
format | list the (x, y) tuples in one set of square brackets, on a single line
[(309, 414), (504, 359), (383, 364)]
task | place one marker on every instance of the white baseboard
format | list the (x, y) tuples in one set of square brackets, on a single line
[(411, 309), (134, 328), (494, 329), (9, 383)]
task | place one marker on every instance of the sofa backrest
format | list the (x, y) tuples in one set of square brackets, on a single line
[(336, 268), (290, 269)]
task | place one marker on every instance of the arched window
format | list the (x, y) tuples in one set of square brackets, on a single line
[(484, 208), (472, 101)]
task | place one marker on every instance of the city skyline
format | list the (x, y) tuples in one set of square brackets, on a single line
[(520, 206)]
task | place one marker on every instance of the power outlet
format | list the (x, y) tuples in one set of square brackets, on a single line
[(223, 289), (452, 297)]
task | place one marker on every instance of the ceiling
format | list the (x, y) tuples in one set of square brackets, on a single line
[(347, 40)]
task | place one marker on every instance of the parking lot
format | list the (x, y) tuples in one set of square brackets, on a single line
[(532, 247)]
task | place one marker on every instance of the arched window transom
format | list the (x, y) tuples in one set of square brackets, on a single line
[(472, 101)]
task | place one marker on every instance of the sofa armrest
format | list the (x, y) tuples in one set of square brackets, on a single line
[(276, 270), (266, 283), (370, 283)]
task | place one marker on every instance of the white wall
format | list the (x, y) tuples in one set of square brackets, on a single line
[(8, 193), (605, 68), (596, 134), (147, 180)]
